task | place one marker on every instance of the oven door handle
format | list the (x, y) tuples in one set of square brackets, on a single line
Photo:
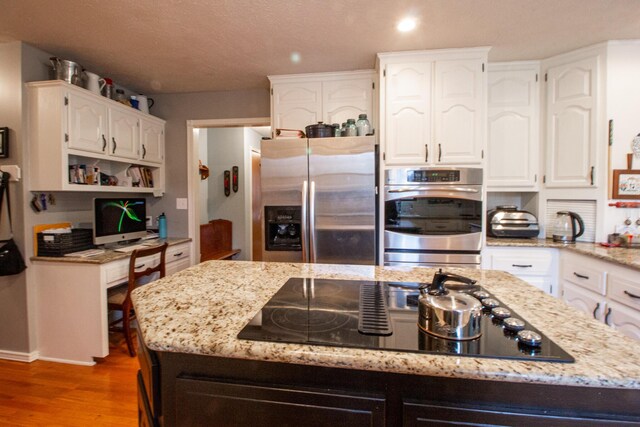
[(413, 189), (304, 221)]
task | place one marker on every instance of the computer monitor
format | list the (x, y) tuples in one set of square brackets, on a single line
[(117, 220)]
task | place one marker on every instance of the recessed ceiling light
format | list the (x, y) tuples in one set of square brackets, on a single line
[(406, 25)]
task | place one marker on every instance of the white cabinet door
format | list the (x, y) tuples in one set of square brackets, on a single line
[(588, 302), (296, 105), (513, 137), (458, 112), (571, 124), (124, 133), (408, 114), (624, 319), (87, 124), (152, 141), (347, 99)]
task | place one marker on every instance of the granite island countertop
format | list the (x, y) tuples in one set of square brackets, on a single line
[(202, 309), (627, 257)]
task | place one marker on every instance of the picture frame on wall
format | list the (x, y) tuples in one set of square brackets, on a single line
[(626, 184), (4, 142)]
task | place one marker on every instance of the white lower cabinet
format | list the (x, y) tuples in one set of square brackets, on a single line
[(608, 292), (71, 299), (536, 266)]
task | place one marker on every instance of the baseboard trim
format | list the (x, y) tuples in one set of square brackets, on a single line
[(71, 362), (19, 356)]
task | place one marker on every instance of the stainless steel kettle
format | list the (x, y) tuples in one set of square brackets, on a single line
[(564, 228)]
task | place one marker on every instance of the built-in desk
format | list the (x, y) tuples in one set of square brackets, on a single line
[(71, 297)]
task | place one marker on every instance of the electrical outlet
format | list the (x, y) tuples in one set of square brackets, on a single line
[(181, 203), (149, 221)]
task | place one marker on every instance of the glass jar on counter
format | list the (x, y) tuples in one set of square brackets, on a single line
[(363, 126), (350, 128), (336, 130), (342, 129)]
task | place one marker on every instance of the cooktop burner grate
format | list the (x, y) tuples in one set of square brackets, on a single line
[(374, 316)]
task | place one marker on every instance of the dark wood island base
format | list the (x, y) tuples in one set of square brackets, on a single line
[(177, 389)]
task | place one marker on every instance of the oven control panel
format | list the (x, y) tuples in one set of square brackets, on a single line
[(433, 176)]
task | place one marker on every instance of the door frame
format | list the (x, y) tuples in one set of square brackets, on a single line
[(193, 177)]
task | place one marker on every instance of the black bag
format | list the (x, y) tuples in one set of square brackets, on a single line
[(11, 261)]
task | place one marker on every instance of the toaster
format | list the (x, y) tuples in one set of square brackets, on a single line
[(508, 221)]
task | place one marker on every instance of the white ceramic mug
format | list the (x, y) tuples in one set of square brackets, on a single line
[(93, 82)]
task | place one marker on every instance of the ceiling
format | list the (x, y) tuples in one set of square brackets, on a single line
[(168, 46)]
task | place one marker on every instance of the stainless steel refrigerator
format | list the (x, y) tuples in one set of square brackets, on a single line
[(319, 200)]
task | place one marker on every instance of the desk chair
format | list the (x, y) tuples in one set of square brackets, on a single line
[(119, 298)]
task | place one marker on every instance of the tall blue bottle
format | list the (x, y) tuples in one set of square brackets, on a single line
[(162, 226)]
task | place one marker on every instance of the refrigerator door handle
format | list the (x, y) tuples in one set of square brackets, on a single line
[(312, 222), (303, 221)]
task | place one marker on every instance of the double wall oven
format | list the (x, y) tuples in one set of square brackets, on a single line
[(433, 216)]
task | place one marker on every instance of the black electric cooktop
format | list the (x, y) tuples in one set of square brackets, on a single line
[(334, 313)]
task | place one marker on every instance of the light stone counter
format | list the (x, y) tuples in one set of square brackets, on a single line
[(202, 309), (627, 257), (107, 256)]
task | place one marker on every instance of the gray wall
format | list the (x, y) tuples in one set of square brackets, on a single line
[(176, 109), (226, 149)]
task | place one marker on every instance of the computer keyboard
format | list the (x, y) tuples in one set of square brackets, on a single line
[(86, 253), (131, 248)]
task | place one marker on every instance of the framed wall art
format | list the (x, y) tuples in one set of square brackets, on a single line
[(4, 142), (626, 184)]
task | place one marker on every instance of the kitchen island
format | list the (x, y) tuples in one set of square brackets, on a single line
[(195, 370)]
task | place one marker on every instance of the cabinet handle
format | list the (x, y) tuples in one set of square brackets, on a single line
[(595, 310), (606, 317), (178, 254), (144, 151), (104, 143), (426, 152), (522, 265), (114, 145), (632, 295), (592, 171), (439, 152), (140, 266), (580, 276)]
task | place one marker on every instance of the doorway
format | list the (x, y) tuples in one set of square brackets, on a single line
[(239, 206)]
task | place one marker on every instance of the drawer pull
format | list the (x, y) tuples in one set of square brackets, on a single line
[(606, 317), (522, 265), (632, 295), (140, 266), (595, 310), (580, 276), (178, 254)]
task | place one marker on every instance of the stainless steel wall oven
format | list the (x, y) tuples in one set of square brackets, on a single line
[(433, 216)]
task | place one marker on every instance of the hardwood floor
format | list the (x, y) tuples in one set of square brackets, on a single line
[(56, 394)]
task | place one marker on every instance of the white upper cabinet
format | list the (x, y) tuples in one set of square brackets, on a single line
[(124, 133), (459, 111), (433, 107), (513, 142), (87, 123), (80, 141), (296, 105), (571, 123), (301, 100), (346, 99), (408, 112), (152, 140)]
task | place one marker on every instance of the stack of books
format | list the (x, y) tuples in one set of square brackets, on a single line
[(141, 176)]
